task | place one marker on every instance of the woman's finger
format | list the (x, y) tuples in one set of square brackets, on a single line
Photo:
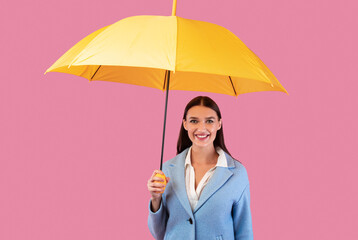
[(155, 172), (157, 185), (154, 183), (157, 179), (156, 190)]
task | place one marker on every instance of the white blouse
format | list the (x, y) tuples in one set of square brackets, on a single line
[(194, 195)]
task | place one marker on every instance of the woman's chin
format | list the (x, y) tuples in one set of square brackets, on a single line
[(201, 143)]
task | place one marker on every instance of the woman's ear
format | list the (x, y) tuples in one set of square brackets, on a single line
[(219, 124), (184, 124)]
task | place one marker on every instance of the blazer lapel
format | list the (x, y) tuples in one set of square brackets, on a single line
[(220, 176), (177, 169), (177, 172)]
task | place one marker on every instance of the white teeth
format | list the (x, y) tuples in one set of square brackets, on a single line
[(201, 136)]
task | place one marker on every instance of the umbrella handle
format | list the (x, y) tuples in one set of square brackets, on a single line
[(174, 9), (163, 177)]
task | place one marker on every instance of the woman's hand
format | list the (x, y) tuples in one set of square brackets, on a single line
[(156, 185)]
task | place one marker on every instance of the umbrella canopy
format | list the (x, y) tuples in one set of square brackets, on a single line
[(151, 50), (139, 50)]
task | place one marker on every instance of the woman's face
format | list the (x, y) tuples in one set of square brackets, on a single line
[(202, 123)]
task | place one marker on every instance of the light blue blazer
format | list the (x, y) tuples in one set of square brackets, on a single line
[(223, 210)]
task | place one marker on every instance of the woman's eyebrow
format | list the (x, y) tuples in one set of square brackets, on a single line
[(205, 118)]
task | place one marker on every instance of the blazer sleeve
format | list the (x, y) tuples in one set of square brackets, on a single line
[(242, 217), (157, 221)]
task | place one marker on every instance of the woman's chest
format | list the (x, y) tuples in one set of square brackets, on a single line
[(202, 174)]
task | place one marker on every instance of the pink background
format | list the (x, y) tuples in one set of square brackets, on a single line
[(75, 156)]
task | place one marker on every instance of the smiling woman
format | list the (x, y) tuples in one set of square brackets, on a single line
[(208, 195)]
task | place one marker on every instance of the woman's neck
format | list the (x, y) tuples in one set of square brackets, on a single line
[(203, 155)]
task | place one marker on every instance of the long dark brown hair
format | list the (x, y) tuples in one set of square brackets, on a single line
[(184, 140)]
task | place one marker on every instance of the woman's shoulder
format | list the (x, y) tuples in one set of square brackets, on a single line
[(177, 160), (237, 168)]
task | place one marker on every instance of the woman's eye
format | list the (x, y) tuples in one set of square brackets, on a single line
[(210, 121), (193, 121)]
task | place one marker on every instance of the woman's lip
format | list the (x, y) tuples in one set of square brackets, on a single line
[(206, 136)]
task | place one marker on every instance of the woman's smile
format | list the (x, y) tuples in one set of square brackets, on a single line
[(202, 137)]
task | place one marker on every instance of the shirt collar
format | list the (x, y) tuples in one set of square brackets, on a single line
[(222, 161)]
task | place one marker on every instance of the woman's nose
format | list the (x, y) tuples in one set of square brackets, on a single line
[(202, 126)]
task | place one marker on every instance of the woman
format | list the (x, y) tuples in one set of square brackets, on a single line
[(206, 194)]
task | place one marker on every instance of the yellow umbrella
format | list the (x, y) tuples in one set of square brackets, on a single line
[(151, 50)]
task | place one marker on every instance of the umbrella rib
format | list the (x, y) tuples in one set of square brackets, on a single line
[(232, 86), (95, 72)]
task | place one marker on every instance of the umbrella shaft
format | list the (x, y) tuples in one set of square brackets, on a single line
[(165, 117), (174, 9)]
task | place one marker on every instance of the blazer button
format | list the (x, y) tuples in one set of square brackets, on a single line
[(191, 221)]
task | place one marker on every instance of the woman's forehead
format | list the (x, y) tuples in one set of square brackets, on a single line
[(201, 112)]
